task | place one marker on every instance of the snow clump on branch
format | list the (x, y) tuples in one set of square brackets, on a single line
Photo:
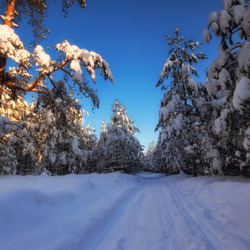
[(12, 47), (90, 59)]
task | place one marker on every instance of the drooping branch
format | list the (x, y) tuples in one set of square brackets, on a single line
[(35, 83), (18, 78)]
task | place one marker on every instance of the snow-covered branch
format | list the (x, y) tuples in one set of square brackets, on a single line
[(19, 78)]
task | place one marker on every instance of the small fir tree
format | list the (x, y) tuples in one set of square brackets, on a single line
[(118, 148)]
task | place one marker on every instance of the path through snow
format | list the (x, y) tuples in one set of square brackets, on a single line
[(118, 211)]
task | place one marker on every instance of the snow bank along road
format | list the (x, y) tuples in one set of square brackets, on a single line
[(117, 211)]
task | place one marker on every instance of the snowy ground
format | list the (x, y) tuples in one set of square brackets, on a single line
[(118, 211)]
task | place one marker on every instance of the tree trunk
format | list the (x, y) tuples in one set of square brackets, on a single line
[(9, 13), (8, 20)]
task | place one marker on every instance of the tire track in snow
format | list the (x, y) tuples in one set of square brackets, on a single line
[(171, 225), (125, 227), (98, 231), (190, 231), (177, 226), (213, 232), (143, 223), (212, 243)]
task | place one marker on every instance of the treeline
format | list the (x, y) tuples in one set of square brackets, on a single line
[(48, 141), (205, 127)]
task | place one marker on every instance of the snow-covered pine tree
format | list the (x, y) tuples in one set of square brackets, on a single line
[(100, 150), (180, 107), (118, 148), (48, 130), (148, 157), (18, 80), (8, 157), (16, 137), (65, 144), (72, 61), (229, 85)]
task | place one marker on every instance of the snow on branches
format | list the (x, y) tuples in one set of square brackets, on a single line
[(12, 47), (241, 93), (235, 15), (229, 83), (179, 55), (178, 68), (90, 60), (181, 105), (74, 59), (118, 148)]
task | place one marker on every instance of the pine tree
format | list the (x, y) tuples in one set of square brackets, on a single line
[(148, 157), (71, 62), (229, 85), (8, 157), (16, 147), (65, 145), (118, 148), (30, 145), (181, 105)]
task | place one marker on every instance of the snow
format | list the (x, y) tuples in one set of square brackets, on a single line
[(243, 57), (241, 93), (165, 111), (185, 69), (166, 67), (200, 101), (238, 13), (220, 123), (221, 60), (214, 27), (224, 77), (206, 35), (227, 4), (189, 149), (213, 17), (224, 21), (246, 142), (246, 22), (116, 211), (42, 58), (11, 45), (90, 59), (192, 84)]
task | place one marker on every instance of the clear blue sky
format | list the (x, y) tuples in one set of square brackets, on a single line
[(129, 35)]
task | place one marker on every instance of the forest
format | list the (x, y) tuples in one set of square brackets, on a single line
[(204, 127)]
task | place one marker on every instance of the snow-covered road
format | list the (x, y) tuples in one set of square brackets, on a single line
[(117, 211)]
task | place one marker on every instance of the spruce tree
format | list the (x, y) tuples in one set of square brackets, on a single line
[(118, 148), (181, 105), (229, 85)]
